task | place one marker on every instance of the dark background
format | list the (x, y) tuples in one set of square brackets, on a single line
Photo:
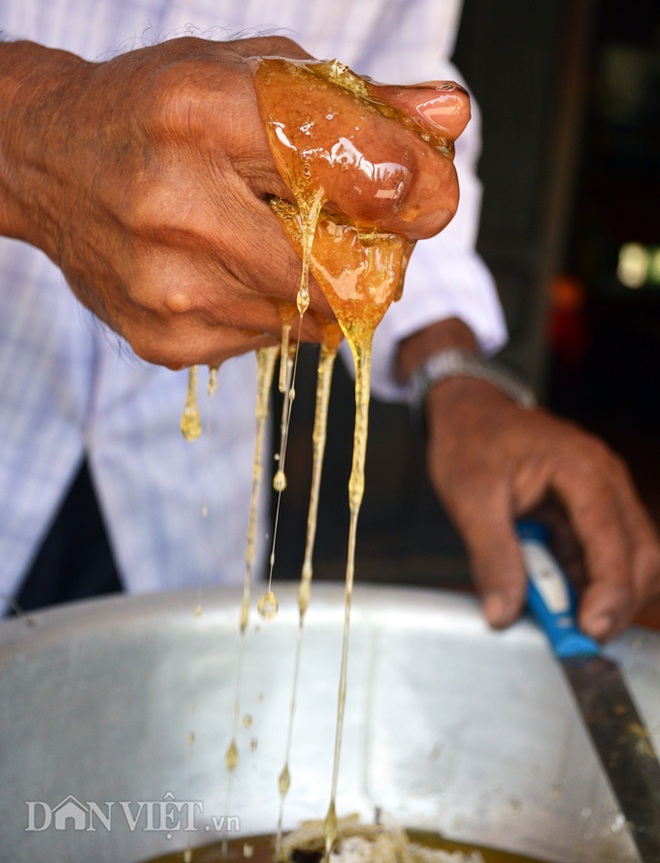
[(570, 97)]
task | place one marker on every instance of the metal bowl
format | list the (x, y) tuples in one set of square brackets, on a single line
[(115, 716)]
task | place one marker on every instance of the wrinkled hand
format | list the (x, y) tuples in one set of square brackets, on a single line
[(492, 462), (146, 179), (149, 174)]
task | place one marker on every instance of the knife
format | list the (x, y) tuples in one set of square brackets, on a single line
[(617, 731)]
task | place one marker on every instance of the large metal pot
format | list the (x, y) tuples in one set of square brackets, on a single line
[(449, 726)]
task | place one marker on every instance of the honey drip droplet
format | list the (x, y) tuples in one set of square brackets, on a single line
[(284, 381), (191, 425), (284, 781), (268, 605), (212, 384), (231, 757), (279, 481)]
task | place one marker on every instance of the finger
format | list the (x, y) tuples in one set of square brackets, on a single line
[(204, 103), (495, 557), (263, 258), (189, 344), (644, 548), (564, 543), (440, 106), (644, 566), (371, 167), (592, 499), (185, 310), (647, 571), (229, 274)]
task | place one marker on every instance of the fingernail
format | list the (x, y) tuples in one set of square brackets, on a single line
[(599, 625), (497, 609)]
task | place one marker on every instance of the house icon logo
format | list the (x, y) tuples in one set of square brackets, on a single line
[(70, 811)]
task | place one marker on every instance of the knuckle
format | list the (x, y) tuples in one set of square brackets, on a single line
[(170, 111), (280, 46), (589, 455), (165, 303)]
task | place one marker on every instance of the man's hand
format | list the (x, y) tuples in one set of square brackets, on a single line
[(146, 179), (492, 462)]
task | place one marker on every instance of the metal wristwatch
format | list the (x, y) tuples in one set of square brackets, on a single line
[(454, 362)]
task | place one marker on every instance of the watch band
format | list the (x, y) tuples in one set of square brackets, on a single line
[(454, 362)]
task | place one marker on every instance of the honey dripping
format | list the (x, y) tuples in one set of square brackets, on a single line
[(191, 425), (212, 383), (188, 853), (267, 604), (376, 287), (360, 269), (310, 155), (211, 390), (285, 386), (231, 757), (332, 337), (266, 359), (329, 346), (360, 274)]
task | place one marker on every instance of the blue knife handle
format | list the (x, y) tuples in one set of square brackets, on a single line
[(550, 595)]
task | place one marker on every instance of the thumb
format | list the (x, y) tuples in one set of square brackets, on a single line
[(497, 567)]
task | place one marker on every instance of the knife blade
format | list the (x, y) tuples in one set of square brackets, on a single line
[(618, 733)]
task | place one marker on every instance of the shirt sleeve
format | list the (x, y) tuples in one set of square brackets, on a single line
[(446, 278)]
